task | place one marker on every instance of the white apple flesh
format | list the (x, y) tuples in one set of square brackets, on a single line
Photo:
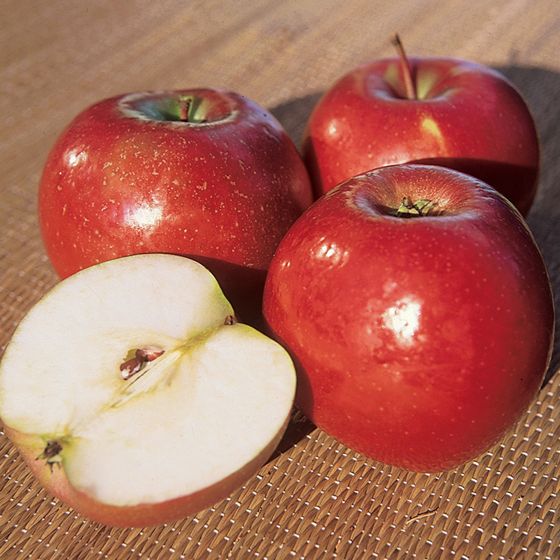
[(136, 397)]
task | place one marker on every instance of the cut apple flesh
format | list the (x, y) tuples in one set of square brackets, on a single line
[(199, 396)]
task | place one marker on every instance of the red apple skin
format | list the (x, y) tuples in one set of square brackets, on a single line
[(55, 481), (118, 182), (467, 117), (419, 341)]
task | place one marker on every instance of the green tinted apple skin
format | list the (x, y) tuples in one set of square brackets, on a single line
[(420, 341), (127, 177), (466, 116)]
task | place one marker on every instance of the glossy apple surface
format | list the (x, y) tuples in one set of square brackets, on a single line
[(464, 116), (417, 306), (202, 173)]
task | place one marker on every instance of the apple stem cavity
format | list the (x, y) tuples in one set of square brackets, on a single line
[(141, 356), (410, 88), (410, 209)]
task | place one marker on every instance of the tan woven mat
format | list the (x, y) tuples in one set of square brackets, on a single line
[(315, 498)]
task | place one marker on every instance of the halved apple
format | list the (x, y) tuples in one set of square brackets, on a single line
[(135, 396)]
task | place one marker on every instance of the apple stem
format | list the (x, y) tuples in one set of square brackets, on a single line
[(409, 209), (409, 86), (184, 108)]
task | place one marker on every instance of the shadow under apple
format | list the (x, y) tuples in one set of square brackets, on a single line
[(242, 286), (540, 88), (294, 114)]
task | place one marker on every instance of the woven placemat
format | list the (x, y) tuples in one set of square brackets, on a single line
[(315, 498)]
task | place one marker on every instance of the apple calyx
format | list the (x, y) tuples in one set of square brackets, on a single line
[(51, 454), (410, 209), (410, 88)]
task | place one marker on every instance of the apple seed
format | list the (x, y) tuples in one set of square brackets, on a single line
[(141, 357)]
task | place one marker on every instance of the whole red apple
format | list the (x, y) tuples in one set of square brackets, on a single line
[(418, 308), (201, 172), (440, 111)]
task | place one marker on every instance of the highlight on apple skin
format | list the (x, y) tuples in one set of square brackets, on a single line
[(134, 395), (454, 113), (204, 173), (417, 308)]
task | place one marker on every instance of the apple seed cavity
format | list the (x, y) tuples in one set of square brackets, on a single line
[(140, 357)]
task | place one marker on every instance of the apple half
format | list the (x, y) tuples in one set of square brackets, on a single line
[(134, 395)]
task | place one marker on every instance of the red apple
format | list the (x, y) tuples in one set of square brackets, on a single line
[(419, 310), (440, 111), (203, 173)]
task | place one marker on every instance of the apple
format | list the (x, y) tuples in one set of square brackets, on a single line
[(134, 395), (417, 307), (439, 111), (203, 173)]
